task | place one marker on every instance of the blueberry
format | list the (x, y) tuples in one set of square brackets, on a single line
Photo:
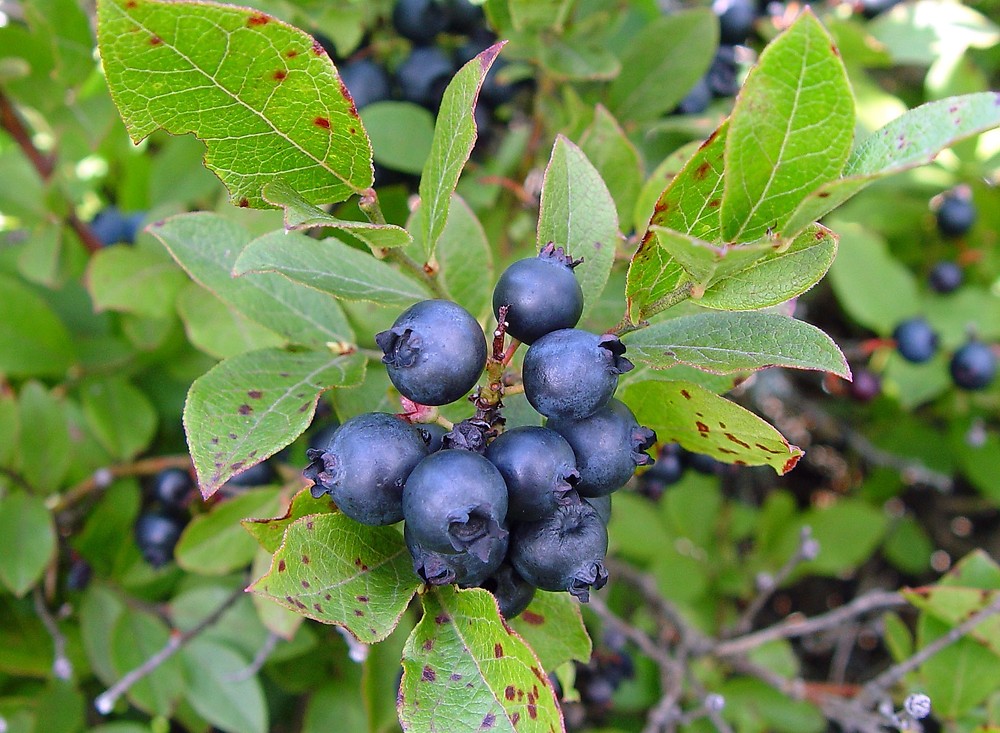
[(172, 487), (365, 465), (156, 535), (434, 352), (667, 471), (539, 468), (602, 505), (736, 19), (513, 593), (420, 20), (367, 81), (871, 8), (542, 294), (79, 574), (956, 215), (110, 226), (464, 17), (866, 385), (723, 75), (915, 340), (974, 366), (572, 373), (562, 552), (701, 462), (697, 99), (464, 567), (423, 76), (433, 435), (456, 501), (945, 277), (608, 447), (257, 475)]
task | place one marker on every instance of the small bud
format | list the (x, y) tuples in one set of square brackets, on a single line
[(810, 549), (104, 704), (3, 724), (357, 651), (917, 706), (714, 702), (62, 669), (103, 478)]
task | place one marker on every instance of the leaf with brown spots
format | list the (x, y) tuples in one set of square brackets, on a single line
[(348, 561), (475, 675), (270, 532), (686, 413), (227, 434), (553, 627), (229, 76)]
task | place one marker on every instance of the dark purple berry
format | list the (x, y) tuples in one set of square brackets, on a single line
[(539, 468), (697, 99), (723, 75), (259, 474), (367, 81), (172, 488), (542, 294), (945, 277), (974, 366), (365, 465), (156, 535), (456, 501), (570, 374), (434, 352), (701, 462), (956, 215), (667, 471), (736, 18), (464, 17), (464, 567), (866, 385), (562, 552), (420, 20), (915, 340), (111, 226), (513, 593), (609, 445), (424, 75)]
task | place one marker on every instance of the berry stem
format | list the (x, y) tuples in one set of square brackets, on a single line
[(509, 353), (102, 478)]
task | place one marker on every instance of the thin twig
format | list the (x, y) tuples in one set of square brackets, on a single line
[(103, 477), (642, 640), (105, 702), (62, 668), (258, 661)]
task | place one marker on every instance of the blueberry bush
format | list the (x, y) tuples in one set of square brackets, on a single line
[(441, 365)]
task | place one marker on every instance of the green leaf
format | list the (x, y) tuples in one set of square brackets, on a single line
[(27, 541), (553, 628), (214, 543), (454, 138), (338, 571), (466, 259), (663, 61), (250, 406), (207, 246), (920, 33), (46, 449), (779, 275), (790, 131), (874, 288), (217, 328), (33, 341), (953, 605), (658, 180), (262, 95), (132, 280), (848, 532), (270, 532), (959, 677), (703, 422), (911, 140), (577, 56), (120, 415), (218, 693), (615, 158), (725, 343), (578, 214), (100, 610), (402, 134), (300, 214), (135, 638), (329, 266), (465, 669)]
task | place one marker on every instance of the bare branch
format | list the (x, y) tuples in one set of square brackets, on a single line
[(62, 668)]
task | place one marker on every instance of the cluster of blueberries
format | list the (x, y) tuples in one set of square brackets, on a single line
[(514, 510)]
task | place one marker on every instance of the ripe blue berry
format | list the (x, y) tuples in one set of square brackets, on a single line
[(424, 75), (465, 568), (973, 366), (257, 475), (111, 226), (365, 465), (562, 552), (702, 463), (367, 81), (570, 374), (513, 593), (915, 340), (172, 487), (419, 20), (956, 215), (542, 293), (539, 468), (697, 99), (456, 501), (945, 277), (608, 447), (156, 535), (668, 470), (865, 386), (736, 19), (434, 352)]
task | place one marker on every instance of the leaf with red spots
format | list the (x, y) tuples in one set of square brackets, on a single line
[(726, 343), (266, 101), (553, 627), (704, 422), (250, 406), (465, 669), (270, 532), (337, 571)]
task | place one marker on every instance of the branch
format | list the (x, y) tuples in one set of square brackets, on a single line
[(62, 668), (103, 477), (105, 702)]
